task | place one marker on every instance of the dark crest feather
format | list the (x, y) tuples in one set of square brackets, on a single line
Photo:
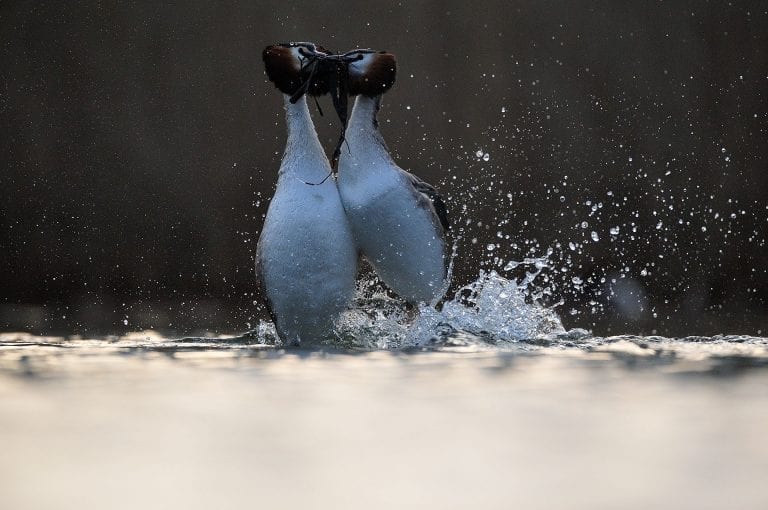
[(292, 74), (377, 78)]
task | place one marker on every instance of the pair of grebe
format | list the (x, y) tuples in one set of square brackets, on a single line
[(316, 226)]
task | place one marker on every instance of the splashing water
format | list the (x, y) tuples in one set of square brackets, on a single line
[(502, 310), (492, 310)]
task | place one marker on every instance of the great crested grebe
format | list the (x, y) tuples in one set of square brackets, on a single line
[(399, 222), (306, 259)]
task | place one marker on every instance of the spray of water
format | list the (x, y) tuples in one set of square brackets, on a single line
[(492, 310)]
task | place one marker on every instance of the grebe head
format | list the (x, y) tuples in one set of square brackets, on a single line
[(370, 72), (297, 68)]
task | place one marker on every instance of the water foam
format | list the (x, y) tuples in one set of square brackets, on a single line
[(492, 310)]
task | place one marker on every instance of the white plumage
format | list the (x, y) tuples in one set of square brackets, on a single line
[(398, 221), (306, 259)]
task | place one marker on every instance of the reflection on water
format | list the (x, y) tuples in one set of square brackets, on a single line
[(565, 421), (48, 357)]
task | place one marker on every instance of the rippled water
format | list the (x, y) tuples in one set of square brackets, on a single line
[(487, 403), (145, 421)]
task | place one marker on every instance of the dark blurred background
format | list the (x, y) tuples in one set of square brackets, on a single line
[(140, 141)]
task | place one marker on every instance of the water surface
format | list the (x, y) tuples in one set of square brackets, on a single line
[(566, 421)]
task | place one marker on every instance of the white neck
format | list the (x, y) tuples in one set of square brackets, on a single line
[(304, 156), (363, 136)]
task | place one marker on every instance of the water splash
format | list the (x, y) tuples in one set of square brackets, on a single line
[(491, 310), (502, 309)]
